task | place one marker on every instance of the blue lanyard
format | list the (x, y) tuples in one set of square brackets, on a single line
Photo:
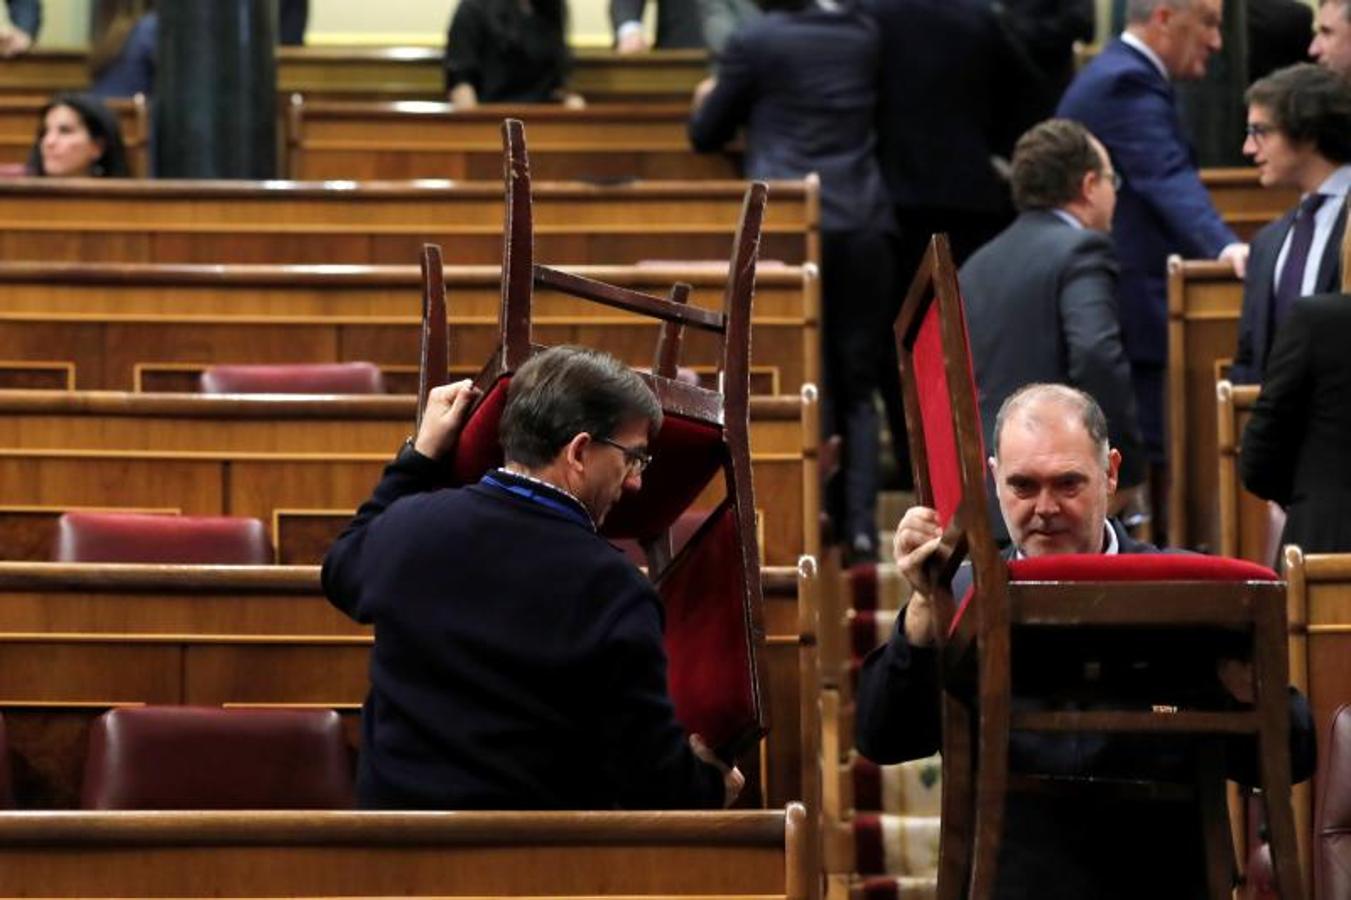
[(536, 496)]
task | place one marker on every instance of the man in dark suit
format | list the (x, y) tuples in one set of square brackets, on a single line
[(802, 80), (1056, 474), (1299, 134), (1295, 444), (518, 659), (1041, 298), (678, 25), (1331, 44), (1125, 97), (1278, 35)]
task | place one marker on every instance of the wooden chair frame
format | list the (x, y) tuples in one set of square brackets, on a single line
[(728, 408), (977, 719)]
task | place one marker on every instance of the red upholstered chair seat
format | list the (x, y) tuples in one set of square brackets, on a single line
[(1128, 567), (184, 757), (294, 378), (685, 457), (707, 633), (138, 538), (684, 528)]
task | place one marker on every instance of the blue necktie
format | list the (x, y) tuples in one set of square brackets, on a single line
[(1290, 286)]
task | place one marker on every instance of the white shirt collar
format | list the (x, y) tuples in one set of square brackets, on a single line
[(1113, 547), (1069, 218), (1338, 184), (1148, 51)]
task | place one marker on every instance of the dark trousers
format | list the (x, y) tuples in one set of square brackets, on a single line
[(857, 284)]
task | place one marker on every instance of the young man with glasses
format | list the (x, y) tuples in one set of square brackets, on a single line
[(518, 659), (1299, 135), (1041, 297)]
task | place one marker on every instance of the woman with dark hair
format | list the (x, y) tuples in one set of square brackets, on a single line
[(78, 137), (509, 51)]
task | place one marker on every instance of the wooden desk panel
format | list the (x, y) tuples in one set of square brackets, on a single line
[(760, 854)]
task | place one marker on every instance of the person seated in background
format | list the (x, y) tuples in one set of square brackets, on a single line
[(1299, 135), (1055, 474), (1295, 445), (679, 25), (1041, 297), (78, 137), (518, 659), (509, 51), (25, 18), (803, 80), (123, 52)]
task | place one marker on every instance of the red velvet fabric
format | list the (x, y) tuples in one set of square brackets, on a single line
[(867, 778), (685, 456), (707, 641), (139, 538), (863, 586), (935, 409), (1128, 567), (869, 855), (684, 527), (184, 757), (294, 378)]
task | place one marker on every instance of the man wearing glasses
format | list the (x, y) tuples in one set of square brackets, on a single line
[(1299, 135), (1041, 297), (518, 659)]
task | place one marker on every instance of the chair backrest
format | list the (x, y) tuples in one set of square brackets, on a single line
[(294, 378), (185, 757), (946, 442), (141, 538), (1333, 828)]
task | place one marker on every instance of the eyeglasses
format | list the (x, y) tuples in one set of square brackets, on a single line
[(1116, 179), (638, 459), (1258, 131)]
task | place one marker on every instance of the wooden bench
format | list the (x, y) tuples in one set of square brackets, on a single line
[(1204, 302), (279, 460), (1320, 653), (1245, 519), (115, 220), (399, 73), (19, 126), (705, 855), (126, 327), (76, 639), (415, 139)]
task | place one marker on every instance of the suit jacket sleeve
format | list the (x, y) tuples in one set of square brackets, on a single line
[(622, 11), (465, 41), (1096, 357), (897, 706), (1272, 439), (1151, 152), (345, 563), (647, 753), (26, 15), (728, 107)]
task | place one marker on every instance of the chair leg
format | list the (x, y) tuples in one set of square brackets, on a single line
[(958, 811), (1273, 740), (992, 768), (1214, 809)]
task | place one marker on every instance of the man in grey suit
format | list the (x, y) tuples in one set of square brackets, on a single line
[(1041, 297)]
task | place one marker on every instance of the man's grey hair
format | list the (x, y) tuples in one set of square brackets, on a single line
[(1139, 11), (1345, 5), (1081, 404), (566, 391)]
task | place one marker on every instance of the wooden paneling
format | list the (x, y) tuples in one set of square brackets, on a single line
[(366, 854), (1204, 302), (1243, 203), (1247, 529), (113, 220), (75, 639)]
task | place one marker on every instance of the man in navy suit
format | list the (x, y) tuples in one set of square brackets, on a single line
[(1125, 97), (1299, 134)]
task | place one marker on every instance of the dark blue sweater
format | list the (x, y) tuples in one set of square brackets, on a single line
[(518, 660)]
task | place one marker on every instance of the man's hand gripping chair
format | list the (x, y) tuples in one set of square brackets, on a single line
[(1091, 600), (710, 588)]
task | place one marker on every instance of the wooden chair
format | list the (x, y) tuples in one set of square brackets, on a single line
[(711, 590), (1086, 599)]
